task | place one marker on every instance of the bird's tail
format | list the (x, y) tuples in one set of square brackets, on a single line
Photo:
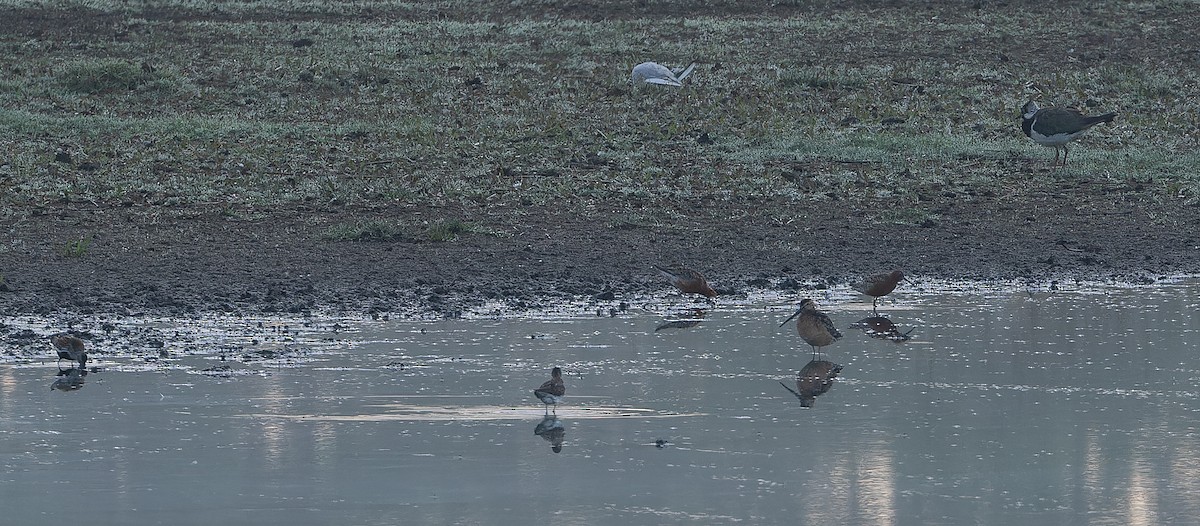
[(1107, 117)]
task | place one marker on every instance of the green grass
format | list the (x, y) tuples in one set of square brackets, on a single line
[(77, 248), (219, 104)]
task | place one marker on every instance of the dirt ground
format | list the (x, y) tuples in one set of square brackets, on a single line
[(188, 260), (205, 261)]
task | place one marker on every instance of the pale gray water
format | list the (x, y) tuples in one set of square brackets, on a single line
[(1074, 408)]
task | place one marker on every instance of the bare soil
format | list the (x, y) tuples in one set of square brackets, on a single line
[(199, 260)]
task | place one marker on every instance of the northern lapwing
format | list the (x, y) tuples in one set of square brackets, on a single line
[(815, 379), (1056, 127), (551, 392), (655, 73), (69, 347), (814, 326), (879, 285), (688, 281)]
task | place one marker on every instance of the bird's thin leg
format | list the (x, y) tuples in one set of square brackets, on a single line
[(1056, 156), (1064, 163)]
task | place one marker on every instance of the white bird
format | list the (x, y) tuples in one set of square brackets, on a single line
[(655, 73)]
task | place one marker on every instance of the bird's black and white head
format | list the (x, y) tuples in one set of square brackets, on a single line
[(1029, 110)]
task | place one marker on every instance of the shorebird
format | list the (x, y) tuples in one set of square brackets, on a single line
[(553, 390), (69, 348), (814, 326), (688, 281), (879, 285), (655, 73), (1057, 126), (815, 379)]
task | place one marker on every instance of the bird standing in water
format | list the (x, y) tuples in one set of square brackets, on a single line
[(69, 348), (1057, 126), (879, 285), (688, 281), (551, 392), (814, 326)]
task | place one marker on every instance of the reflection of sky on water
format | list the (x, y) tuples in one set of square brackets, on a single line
[(1073, 407)]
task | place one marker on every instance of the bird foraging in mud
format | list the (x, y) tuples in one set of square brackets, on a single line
[(814, 326), (879, 285), (688, 281), (1055, 127), (552, 391), (655, 73), (69, 347)]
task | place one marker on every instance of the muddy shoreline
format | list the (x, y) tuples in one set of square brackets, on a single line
[(198, 260)]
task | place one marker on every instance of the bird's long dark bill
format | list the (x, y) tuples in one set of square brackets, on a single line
[(797, 313), (792, 390)]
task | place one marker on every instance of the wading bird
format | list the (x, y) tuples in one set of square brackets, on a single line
[(879, 285), (688, 281), (69, 348), (655, 73), (1056, 127), (815, 379), (814, 326), (551, 392)]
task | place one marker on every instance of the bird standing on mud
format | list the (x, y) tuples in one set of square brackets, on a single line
[(879, 285), (551, 392), (815, 328), (688, 281), (1057, 126), (69, 347)]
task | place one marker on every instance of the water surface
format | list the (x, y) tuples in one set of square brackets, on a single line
[(1077, 407)]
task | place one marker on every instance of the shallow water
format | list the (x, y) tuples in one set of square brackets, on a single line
[(1077, 407)]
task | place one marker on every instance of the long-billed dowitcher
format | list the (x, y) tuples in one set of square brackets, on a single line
[(69, 347), (1055, 127), (814, 327), (879, 285), (551, 392), (688, 281)]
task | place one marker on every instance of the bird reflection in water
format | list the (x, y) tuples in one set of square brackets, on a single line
[(814, 380), (552, 430), (69, 379), (881, 328), (688, 320)]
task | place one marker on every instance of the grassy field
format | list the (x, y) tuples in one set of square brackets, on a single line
[(256, 105)]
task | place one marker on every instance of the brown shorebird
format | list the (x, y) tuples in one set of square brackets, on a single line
[(879, 285), (815, 379), (1055, 127), (814, 326), (69, 347), (551, 392), (688, 281)]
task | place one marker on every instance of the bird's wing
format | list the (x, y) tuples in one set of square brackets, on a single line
[(664, 82), (1059, 121), (828, 324)]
